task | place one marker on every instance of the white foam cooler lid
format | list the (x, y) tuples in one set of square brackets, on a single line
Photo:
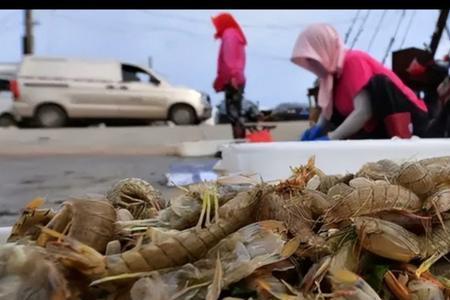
[(4, 234), (272, 160)]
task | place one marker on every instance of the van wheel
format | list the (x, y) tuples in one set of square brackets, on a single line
[(7, 121), (183, 115), (50, 116)]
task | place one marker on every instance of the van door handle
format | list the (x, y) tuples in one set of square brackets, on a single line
[(110, 87), (123, 87)]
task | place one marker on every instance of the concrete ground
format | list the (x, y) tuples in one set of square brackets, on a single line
[(57, 178), (143, 140), (59, 163)]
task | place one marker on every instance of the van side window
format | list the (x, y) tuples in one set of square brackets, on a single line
[(4, 85), (135, 74)]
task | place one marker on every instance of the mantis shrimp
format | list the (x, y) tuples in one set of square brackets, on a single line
[(137, 196), (178, 249)]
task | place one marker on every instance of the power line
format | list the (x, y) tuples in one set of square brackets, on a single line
[(144, 27), (377, 29), (149, 27), (288, 27), (391, 42), (361, 29), (408, 27), (70, 18)]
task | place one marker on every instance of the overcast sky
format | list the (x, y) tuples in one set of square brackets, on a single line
[(183, 49)]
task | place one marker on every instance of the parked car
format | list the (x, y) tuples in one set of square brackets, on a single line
[(290, 112), (6, 104), (52, 91), (249, 111)]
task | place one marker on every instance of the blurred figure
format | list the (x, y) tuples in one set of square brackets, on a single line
[(230, 68), (358, 96), (440, 126)]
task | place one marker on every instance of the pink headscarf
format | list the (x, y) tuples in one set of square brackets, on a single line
[(322, 43)]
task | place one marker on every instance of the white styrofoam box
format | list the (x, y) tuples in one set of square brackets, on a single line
[(4, 234), (272, 160), (202, 148)]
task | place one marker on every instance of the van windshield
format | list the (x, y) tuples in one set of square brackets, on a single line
[(135, 74)]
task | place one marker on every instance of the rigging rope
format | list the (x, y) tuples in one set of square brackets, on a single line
[(391, 42), (350, 28), (361, 29), (377, 29), (407, 29)]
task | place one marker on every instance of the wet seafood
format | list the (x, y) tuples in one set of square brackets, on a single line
[(440, 174), (316, 201), (312, 236), (387, 239), (87, 220), (441, 160), (372, 199), (137, 196), (28, 223), (339, 191), (416, 177), (392, 241), (381, 170), (185, 210), (26, 273), (422, 290), (345, 258), (299, 178), (176, 250), (189, 245), (292, 212), (438, 241), (328, 181), (436, 170), (351, 286), (241, 253), (439, 201)]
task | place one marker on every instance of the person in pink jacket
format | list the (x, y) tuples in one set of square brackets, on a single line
[(230, 68), (359, 97)]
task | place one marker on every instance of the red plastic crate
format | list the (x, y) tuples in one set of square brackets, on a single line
[(261, 136)]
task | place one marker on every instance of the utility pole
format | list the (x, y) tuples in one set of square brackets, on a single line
[(440, 26), (28, 38)]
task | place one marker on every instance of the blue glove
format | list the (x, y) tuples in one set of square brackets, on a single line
[(322, 138), (312, 133)]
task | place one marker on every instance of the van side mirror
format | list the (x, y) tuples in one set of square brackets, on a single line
[(154, 80)]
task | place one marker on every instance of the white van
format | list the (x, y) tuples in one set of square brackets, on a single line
[(8, 72), (50, 91), (6, 104)]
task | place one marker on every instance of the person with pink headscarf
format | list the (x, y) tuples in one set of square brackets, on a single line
[(358, 96), (230, 68)]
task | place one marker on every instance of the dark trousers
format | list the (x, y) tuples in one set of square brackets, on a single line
[(233, 105), (387, 99), (440, 126)]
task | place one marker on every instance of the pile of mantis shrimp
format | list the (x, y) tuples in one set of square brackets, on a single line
[(380, 233)]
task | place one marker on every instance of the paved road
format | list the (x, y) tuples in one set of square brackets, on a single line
[(59, 177), (59, 163), (157, 140)]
